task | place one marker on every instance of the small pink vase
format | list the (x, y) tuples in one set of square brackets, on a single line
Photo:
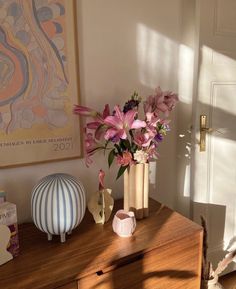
[(124, 223)]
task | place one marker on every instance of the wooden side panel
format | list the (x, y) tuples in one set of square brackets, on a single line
[(175, 265)]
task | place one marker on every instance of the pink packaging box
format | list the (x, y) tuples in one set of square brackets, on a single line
[(8, 217)]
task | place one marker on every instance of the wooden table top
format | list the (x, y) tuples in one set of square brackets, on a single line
[(90, 248)]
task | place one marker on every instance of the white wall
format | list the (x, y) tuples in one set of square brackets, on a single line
[(125, 45), (184, 111)]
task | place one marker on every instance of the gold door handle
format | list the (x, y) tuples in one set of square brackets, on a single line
[(203, 130)]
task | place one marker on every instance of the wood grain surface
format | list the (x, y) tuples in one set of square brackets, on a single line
[(171, 266), (94, 250)]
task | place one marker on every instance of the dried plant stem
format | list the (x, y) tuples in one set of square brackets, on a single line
[(225, 262), (207, 271), (206, 265)]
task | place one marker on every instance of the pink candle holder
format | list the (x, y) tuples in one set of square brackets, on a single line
[(124, 223)]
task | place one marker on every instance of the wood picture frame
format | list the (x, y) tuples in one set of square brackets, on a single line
[(39, 82)]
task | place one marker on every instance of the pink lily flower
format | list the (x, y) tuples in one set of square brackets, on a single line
[(91, 146), (152, 120), (152, 151), (121, 123), (98, 123), (170, 99), (85, 111), (99, 128), (166, 102), (106, 111), (152, 123), (143, 139), (162, 102), (89, 112), (149, 104), (93, 125)]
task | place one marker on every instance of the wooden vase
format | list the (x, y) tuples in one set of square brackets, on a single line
[(136, 188)]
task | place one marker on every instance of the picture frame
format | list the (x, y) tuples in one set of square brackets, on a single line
[(39, 82)]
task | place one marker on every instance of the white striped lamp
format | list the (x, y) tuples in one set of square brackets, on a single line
[(58, 204)]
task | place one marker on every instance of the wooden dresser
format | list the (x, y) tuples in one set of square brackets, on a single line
[(164, 252)]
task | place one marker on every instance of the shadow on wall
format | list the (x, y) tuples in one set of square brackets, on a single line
[(186, 150)]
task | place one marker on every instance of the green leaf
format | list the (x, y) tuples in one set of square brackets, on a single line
[(131, 133), (127, 144), (111, 157), (134, 148), (105, 147), (118, 149), (122, 145), (121, 171)]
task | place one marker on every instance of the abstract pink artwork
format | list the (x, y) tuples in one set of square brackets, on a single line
[(38, 81)]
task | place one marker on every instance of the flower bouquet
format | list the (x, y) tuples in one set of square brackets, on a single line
[(132, 141), (128, 139)]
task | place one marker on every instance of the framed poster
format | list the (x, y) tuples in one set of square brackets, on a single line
[(38, 81)]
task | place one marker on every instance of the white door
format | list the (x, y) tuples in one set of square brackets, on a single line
[(214, 170)]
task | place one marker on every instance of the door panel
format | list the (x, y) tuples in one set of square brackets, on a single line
[(214, 170)]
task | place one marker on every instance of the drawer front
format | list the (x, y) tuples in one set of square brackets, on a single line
[(71, 285), (172, 266)]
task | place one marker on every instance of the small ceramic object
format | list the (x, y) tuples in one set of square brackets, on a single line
[(58, 205), (5, 235), (101, 203), (124, 223)]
